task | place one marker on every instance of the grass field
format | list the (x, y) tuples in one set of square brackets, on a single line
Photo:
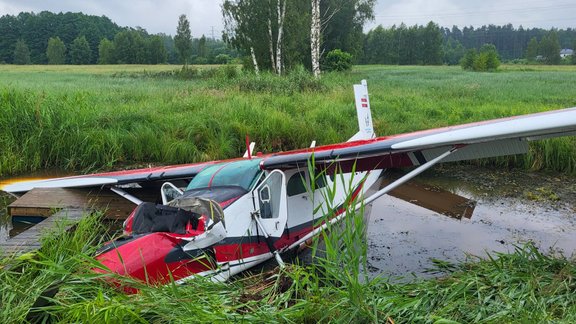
[(95, 117)]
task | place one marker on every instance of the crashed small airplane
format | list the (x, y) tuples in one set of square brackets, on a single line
[(222, 217)]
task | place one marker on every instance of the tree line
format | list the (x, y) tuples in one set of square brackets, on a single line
[(276, 35), (432, 44), (76, 38)]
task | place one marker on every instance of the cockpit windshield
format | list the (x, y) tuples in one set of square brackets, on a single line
[(238, 173)]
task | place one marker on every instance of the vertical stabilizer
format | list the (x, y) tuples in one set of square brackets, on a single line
[(366, 129)]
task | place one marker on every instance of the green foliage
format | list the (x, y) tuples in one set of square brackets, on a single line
[(532, 50), (489, 55), (21, 53), (56, 51), (26, 279), (222, 59), (467, 61), (404, 45), (202, 49), (511, 43), (453, 51), (106, 52), (183, 39), (336, 60), (80, 52), (485, 60), (573, 57), (129, 47), (246, 28), (37, 28), (298, 80), (549, 48), (155, 51), (344, 28)]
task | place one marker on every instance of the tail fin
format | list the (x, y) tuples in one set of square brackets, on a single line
[(366, 129)]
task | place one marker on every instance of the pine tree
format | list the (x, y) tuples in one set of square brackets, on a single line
[(532, 50), (183, 39)]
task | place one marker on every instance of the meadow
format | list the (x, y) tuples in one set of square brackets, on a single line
[(84, 118)]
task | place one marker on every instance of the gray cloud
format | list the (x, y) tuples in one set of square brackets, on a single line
[(205, 16), (154, 16), (528, 13)]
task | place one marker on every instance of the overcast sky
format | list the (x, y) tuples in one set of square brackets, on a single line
[(205, 16)]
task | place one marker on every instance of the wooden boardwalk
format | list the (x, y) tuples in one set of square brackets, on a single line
[(43, 201), (29, 240)]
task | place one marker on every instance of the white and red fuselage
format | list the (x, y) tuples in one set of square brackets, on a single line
[(158, 257)]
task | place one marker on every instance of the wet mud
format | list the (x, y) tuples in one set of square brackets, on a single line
[(512, 208)]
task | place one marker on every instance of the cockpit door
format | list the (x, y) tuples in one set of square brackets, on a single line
[(270, 203)]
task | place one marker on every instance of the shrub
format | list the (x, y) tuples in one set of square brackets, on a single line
[(485, 60), (337, 60), (222, 59), (229, 71), (489, 54), (187, 73)]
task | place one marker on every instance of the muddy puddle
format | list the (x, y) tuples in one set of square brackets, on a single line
[(512, 207)]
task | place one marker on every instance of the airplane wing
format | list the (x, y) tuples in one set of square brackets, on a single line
[(498, 137), (165, 173)]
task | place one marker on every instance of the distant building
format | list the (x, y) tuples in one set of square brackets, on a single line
[(566, 52)]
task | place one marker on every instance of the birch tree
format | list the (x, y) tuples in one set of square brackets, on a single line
[(183, 39), (281, 15), (257, 27), (245, 28), (315, 38)]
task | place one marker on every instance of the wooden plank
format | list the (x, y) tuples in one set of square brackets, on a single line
[(29, 240), (44, 201)]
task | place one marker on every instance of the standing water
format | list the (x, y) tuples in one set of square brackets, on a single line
[(513, 208)]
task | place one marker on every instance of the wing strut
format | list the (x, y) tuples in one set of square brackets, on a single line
[(378, 194), (126, 195)]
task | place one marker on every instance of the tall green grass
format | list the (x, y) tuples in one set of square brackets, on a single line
[(102, 118)]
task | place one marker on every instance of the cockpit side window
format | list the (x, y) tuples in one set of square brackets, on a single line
[(296, 184)]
